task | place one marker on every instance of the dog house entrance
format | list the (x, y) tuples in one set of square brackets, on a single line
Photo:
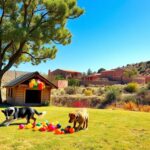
[(33, 96)]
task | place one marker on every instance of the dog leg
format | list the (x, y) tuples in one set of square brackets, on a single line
[(87, 122), (84, 123), (74, 124), (79, 127), (34, 120), (5, 121), (9, 122), (28, 119)]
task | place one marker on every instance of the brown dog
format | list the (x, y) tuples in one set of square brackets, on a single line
[(80, 116)]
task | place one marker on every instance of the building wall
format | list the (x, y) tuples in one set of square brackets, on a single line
[(45, 95), (92, 77), (66, 74), (62, 83), (113, 74), (10, 99), (20, 95)]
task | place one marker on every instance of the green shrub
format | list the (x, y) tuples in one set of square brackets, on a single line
[(79, 90), (130, 98), (73, 82), (46, 103), (70, 90), (143, 96), (148, 86), (88, 92), (57, 92), (113, 87), (62, 92), (59, 77), (131, 87), (100, 91), (112, 95)]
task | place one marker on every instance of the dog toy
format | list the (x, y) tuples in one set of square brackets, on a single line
[(58, 131), (44, 123), (51, 127), (62, 131), (38, 124), (21, 126), (58, 125), (42, 129), (36, 128), (28, 126), (71, 130), (67, 129)]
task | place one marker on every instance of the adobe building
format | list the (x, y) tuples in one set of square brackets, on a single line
[(110, 77), (66, 73), (18, 91)]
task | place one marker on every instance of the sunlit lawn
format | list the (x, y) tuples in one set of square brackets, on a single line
[(108, 130)]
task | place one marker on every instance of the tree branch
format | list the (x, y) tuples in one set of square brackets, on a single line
[(33, 56), (31, 18), (26, 13), (1, 19), (39, 23), (39, 10), (14, 57), (5, 49), (72, 17), (55, 42), (3, 13)]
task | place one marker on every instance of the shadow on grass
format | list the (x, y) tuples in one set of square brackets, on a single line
[(25, 105), (13, 124), (5, 105)]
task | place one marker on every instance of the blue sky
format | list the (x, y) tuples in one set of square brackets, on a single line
[(110, 34)]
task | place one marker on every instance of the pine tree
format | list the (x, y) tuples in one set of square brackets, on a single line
[(31, 29)]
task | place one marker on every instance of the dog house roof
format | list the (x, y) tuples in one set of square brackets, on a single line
[(26, 77)]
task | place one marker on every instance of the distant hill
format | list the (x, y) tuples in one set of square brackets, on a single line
[(142, 67)]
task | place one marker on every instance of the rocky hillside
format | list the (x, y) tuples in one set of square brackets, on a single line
[(142, 67)]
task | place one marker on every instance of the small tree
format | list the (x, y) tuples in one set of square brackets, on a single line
[(113, 94), (89, 71), (100, 70), (131, 73), (30, 30), (59, 77), (148, 85), (73, 82), (131, 87)]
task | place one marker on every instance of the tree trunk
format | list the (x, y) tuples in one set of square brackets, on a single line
[(1, 90)]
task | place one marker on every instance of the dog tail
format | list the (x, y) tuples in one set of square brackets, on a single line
[(40, 113)]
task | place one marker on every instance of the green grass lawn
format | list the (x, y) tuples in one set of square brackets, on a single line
[(108, 130)]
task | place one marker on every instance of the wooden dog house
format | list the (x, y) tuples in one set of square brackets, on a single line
[(18, 91)]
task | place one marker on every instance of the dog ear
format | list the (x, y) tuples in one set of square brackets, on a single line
[(70, 114)]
